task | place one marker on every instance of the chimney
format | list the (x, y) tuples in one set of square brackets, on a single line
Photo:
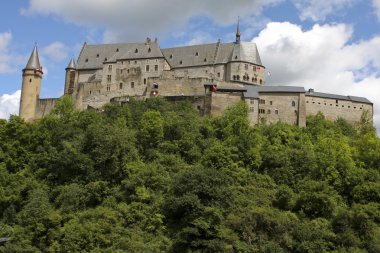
[(311, 90)]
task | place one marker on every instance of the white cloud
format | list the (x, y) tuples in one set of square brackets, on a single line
[(5, 58), (376, 5), (56, 51), (125, 19), (9, 104), (322, 58), (318, 10)]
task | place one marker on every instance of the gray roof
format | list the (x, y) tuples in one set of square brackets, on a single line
[(247, 52), (253, 91), (215, 53), (93, 56), (71, 64), (34, 60), (340, 97)]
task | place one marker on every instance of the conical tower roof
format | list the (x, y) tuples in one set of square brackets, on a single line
[(72, 64), (34, 60)]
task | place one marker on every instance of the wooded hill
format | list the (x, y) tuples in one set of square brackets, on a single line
[(156, 177)]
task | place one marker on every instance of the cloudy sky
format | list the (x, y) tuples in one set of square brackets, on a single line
[(332, 46)]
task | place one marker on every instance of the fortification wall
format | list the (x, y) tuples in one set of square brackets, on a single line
[(45, 106), (333, 109), (221, 101)]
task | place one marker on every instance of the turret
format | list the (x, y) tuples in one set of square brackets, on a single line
[(31, 87), (70, 77)]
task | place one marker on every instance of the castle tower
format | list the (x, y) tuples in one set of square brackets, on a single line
[(31, 87), (70, 77), (238, 31)]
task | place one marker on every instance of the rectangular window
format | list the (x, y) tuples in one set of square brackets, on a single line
[(132, 84), (251, 101), (262, 101), (218, 74), (269, 112), (108, 87), (271, 102), (109, 78), (147, 68), (144, 80), (121, 86), (246, 66), (156, 68), (276, 112), (261, 111), (110, 68), (252, 109)]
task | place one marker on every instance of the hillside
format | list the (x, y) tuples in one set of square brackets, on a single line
[(155, 177)]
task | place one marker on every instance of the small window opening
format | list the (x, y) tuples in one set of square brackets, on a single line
[(136, 50), (149, 50), (117, 50)]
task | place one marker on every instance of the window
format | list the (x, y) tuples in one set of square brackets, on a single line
[(149, 50), (147, 68), (105, 59), (180, 62), (108, 87), (171, 56), (117, 50), (132, 85), (109, 78), (269, 111), (128, 71), (90, 92), (238, 77), (234, 77), (293, 103), (109, 67), (97, 56), (251, 101), (136, 50), (144, 80), (236, 57), (261, 81), (246, 66), (271, 102), (276, 112), (251, 109), (218, 74), (205, 60), (261, 111), (135, 62), (295, 112), (262, 101), (196, 54), (244, 78), (254, 68), (336, 101), (121, 86), (156, 68), (30, 80), (86, 60)]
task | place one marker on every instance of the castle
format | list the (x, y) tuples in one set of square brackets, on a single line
[(213, 76)]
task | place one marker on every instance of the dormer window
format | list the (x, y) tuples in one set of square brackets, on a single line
[(196, 54), (97, 56), (205, 60), (149, 50), (105, 59), (117, 50), (180, 62), (136, 50), (171, 56)]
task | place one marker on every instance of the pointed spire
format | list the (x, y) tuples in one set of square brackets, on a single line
[(238, 31), (72, 64), (34, 60)]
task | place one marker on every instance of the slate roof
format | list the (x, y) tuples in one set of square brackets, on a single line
[(340, 97), (34, 60), (253, 91), (71, 64), (93, 56)]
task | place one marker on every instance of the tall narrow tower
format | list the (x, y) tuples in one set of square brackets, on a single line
[(70, 77), (31, 86)]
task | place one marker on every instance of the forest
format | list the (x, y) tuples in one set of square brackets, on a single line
[(154, 176)]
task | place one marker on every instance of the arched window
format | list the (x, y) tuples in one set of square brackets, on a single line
[(261, 81), (136, 50), (293, 103), (234, 77), (149, 50), (238, 77)]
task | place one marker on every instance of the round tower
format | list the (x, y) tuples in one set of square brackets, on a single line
[(31, 86), (70, 77)]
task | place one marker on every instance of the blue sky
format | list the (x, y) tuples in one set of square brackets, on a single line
[(331, 46)]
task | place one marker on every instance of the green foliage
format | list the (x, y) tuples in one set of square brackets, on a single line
[(154, 176)]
